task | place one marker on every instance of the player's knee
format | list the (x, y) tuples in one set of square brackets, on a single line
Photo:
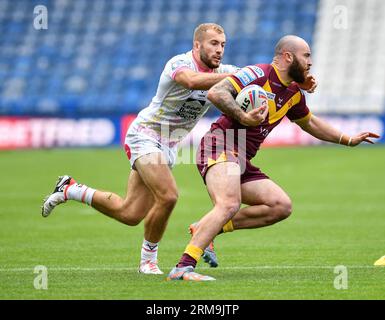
[(229, 207), (168, 199), (283, 209)]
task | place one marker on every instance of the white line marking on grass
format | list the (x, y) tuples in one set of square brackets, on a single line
[(111, 268)]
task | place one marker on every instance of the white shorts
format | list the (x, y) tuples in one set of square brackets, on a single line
[(138, 144)]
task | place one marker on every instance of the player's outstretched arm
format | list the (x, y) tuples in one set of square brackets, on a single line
[(222, 96), (198, 80), (324, 131)]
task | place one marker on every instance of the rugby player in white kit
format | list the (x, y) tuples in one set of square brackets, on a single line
[(178, 105)]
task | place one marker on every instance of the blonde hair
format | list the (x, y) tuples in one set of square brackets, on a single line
[(202, 28)]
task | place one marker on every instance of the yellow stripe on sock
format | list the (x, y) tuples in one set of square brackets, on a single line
[(194, 252), (228, 227)]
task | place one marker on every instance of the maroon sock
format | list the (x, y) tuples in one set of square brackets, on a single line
[(186, 260)]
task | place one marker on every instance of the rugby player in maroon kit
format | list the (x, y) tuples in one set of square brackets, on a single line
[(225, 152)]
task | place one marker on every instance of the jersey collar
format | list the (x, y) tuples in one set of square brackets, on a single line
[(200, 69)]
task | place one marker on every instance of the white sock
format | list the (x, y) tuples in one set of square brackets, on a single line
[(80, 192), (149, 251)]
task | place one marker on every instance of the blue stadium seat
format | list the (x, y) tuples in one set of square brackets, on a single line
[(105, 57)]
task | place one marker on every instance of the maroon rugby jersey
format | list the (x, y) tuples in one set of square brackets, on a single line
[(284, 100)]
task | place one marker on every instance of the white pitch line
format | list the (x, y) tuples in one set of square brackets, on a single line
[(110, 268)]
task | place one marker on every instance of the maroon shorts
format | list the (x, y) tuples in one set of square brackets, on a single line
[(213, 150)]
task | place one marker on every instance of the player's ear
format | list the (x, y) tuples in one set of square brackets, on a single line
[(196, 44), (289, 57)]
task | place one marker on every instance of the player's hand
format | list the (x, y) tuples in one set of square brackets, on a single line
[(363, 137), (310, 84), (255, 117)]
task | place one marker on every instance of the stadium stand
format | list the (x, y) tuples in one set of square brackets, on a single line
[(104, 58), (349, 57)]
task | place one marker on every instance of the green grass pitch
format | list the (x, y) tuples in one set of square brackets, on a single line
[(338, 219)]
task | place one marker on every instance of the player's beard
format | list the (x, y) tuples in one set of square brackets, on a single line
[(296, 71), (206, 60)]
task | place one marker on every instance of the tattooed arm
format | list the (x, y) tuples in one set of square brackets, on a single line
[(222, 96)]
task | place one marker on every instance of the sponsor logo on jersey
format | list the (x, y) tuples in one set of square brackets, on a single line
[(176, 64), (276, 84), (258, 71), (191, 110), (199, 95), (264, 132), (270, 95), (245, 76)]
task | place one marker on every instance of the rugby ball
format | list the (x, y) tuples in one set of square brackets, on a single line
[(252, 97)]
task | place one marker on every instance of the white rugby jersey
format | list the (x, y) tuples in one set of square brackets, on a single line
[(175, 110)]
